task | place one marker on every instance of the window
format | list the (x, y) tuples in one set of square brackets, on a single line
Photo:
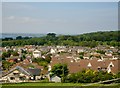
[(22, 78), (16, 74), (111, 66), (99, 68), (12, 78)]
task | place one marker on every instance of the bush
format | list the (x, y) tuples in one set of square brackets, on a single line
[(89, 76)]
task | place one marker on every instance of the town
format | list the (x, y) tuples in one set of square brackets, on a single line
[(32, 63), (55, 43)]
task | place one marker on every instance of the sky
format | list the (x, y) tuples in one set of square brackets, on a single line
[(59, 17)]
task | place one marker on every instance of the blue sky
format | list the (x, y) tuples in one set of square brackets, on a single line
[(59, 17)]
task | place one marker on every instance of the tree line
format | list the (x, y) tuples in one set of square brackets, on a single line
[(89, 40)]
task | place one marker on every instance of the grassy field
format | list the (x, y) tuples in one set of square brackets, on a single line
[(44, 84), (56, 84)]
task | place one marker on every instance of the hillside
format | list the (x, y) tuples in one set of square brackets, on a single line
[(102, 36), (89, 39)]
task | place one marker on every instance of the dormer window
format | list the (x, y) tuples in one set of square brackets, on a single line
[(89, 65), (111, 65), (99, 68)]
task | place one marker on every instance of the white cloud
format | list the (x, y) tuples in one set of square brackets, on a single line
[(10, 17), (20, 19), (31, 20), (26, 19)]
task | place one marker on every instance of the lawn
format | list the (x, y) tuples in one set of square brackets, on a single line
[(43, 84), (56, 85)]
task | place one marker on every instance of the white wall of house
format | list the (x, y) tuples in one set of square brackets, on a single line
[(36, 54), (49, 68), (55, 79), (15, 77), (52, 51)]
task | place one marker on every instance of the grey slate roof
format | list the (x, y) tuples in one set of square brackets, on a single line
[(35, 72), (18, 68)]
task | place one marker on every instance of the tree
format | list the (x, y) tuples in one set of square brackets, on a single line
[(60, 70), (6, 65), (88, 40), (100, 51), (51, 37), (71, 78), (81, 57), (7, 39), (5, 55), (15, 53), (48, 58), (51, 34), (19, 37), (118, 76), (89, 76)]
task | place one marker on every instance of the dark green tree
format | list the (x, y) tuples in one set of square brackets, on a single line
[(6, 65), (60, 70), (51, 35), (19, 37)]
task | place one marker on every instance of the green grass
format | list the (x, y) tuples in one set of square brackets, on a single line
[(114, 84), (58, 84), (43, 84)]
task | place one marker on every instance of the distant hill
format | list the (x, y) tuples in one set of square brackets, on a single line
[(101, 36), (88, 39)]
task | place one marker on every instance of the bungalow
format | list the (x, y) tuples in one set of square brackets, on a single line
[(97, 65), (19, 74)]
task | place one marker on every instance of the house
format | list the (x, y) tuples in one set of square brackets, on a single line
[(55, 79), (35, 73), (109, 67), (80, 50), (108, 54), (49, 68), (36, 54), (19, 74), (14, 59), (97, 65), (52, 51)]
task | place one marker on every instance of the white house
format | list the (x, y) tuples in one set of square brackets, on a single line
[(108, 54), (55, 79), (36, 53), (80, 50), (52, 51), (17, 74), (109, 67), (49, 68), (114, 58)]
